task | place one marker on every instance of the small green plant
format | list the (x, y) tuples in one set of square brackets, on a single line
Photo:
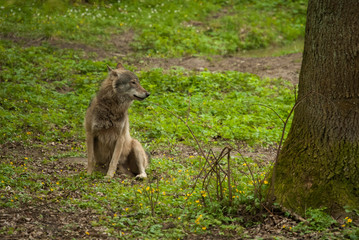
[(151, 193), (317, 220)]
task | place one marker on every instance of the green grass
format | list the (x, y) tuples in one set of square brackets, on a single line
[(45, 93), (165, 29)]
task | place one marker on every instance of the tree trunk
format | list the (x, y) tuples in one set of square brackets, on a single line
[(319, 163)]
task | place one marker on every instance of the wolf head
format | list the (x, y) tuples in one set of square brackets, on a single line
[(126, 83)]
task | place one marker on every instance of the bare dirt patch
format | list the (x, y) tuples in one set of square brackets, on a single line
[(122, 42), (286, 67)]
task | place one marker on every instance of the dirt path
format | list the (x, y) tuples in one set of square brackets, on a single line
[(286, 67)]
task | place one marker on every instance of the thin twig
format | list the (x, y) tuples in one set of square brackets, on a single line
[(189, 108), (260, 104), (229, 177)]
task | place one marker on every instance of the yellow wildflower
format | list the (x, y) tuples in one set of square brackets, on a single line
[(198, 219)]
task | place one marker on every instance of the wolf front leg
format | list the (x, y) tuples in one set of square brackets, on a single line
[(91, 163), (115, 158), (118, 159)]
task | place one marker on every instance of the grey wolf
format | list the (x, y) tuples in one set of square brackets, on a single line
[(109, 144)]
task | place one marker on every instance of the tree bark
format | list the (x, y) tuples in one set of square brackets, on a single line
[(319, 163)]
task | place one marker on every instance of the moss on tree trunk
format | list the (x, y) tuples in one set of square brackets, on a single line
[(319, 163)]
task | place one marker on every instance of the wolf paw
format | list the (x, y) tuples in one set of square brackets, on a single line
[(108, 177), (141, 176)]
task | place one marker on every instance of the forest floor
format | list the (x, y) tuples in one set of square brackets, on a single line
[(51, 219)]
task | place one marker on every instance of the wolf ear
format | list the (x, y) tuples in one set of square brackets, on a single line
[(120, 66), (111, 71)]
